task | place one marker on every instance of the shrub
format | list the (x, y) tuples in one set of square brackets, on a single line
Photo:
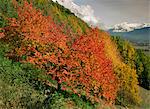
[(61, 15), (81, 67), (20, 88)]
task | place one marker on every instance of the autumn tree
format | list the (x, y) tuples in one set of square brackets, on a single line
[(136, 59), (124, 69), (79, 65)]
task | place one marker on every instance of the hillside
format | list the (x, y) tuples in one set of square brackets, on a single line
[(51, 59)]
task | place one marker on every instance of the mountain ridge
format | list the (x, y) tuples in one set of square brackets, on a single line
[(128, 27), (138, 35)]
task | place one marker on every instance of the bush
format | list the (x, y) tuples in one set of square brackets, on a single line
[(20, 88), (62, 16), (81, 68)]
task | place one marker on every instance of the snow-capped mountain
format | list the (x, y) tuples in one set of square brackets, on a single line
[(137, 35), (127, 27)]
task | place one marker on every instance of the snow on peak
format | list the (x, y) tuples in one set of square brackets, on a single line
[(127, 27), (85, 12)]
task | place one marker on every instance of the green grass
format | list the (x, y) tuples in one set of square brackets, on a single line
[(17, 85), (145, 103)]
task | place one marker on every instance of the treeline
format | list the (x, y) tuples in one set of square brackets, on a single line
[(137, 59)]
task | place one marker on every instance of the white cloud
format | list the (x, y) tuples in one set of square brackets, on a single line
[(85, 12)]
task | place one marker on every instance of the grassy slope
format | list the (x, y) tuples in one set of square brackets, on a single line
[(145, 103), (17, 92), (145, 94), (17, 84), (18, 87)]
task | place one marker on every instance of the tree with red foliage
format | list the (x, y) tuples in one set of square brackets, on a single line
[(80, 67), (94, 64)]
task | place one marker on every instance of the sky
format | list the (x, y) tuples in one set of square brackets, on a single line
[(111, 12), (106, 13)]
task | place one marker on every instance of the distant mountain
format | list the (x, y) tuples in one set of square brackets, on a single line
[(139, 34), (127, 27)]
